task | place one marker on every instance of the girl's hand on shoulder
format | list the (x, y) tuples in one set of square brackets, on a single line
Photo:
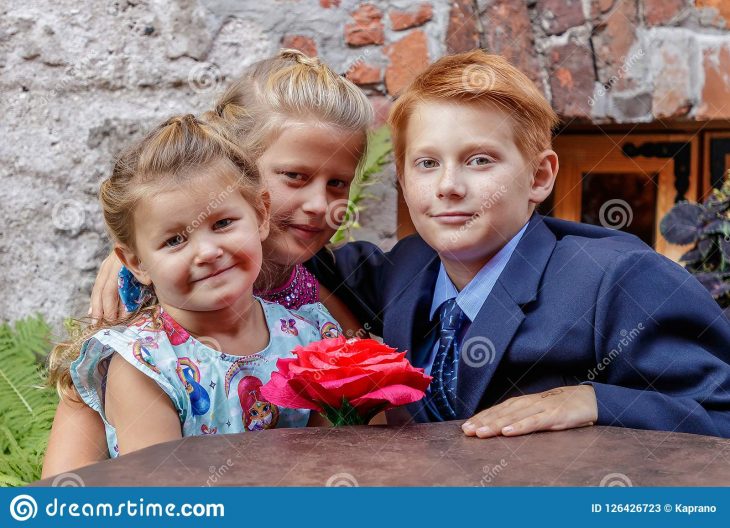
[(553, 410), (105, 301)]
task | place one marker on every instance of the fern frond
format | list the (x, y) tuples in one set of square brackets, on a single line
[(379, 148), (27, 406)]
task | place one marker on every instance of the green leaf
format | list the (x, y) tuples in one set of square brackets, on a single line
[(378, 156), (27, 407), (346, 414)]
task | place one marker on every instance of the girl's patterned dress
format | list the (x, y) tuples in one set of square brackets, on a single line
[(213, 392)]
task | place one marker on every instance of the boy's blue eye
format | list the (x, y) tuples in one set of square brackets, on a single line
[(480, 161), (220, 224), (427, 164), (174, 241)]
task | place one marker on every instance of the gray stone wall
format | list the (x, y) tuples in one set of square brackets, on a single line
[(81, 78)]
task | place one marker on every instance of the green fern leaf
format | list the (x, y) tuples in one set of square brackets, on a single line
[(26, 406)]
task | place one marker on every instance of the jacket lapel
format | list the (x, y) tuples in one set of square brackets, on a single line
[(409, 307), (489, 336), (408, 313)]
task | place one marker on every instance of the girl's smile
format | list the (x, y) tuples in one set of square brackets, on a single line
[(215, 257)]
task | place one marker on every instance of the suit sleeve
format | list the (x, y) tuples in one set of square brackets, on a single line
[(356, 273), (662, 347)]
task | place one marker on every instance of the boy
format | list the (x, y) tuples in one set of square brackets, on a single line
[(525, 323)]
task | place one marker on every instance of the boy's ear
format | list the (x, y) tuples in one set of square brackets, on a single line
[(543, 177), (265, 216), (132, 263)]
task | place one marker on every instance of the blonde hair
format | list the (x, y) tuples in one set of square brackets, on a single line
[(170, 155), (476, 77), (290, 86)]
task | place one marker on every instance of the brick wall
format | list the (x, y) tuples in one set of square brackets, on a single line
[(82, 78)]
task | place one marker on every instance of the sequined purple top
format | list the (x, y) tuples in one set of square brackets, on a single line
[(301, 288)]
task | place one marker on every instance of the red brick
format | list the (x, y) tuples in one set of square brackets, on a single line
[(559, 15), (661, 12), (721, 7), (400, 20), (362, 73), (508, 32), (408, 57), (463, 31), (367, 27), (571, 80), (613, 42), (300, 42), (716, 91)]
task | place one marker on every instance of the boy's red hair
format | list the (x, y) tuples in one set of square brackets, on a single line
[(476, 77)]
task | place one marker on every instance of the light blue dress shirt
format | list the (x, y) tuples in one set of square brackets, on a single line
[(475, 293)]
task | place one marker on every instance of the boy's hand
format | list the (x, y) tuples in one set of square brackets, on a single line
[(105, 301), (553, 410)]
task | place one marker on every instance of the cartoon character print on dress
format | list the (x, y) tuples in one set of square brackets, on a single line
[(142, 354), (189, 374), (208, 430), (289, 327), (175, 333), (258, 414), (329, 331), (239, 365)]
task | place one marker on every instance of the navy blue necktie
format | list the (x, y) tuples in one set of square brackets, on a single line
[(443, 386)]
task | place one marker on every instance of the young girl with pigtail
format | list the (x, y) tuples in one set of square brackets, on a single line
[(188, 214), (306, 126)]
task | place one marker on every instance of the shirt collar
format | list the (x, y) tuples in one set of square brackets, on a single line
[(475, 293)]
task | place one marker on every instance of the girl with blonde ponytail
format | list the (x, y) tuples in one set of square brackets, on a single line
[(306, 127), (188, 213)]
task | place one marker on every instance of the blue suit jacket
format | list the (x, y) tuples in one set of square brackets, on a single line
[(575, 303)]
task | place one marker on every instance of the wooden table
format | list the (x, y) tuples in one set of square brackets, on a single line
[(422, 455)]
